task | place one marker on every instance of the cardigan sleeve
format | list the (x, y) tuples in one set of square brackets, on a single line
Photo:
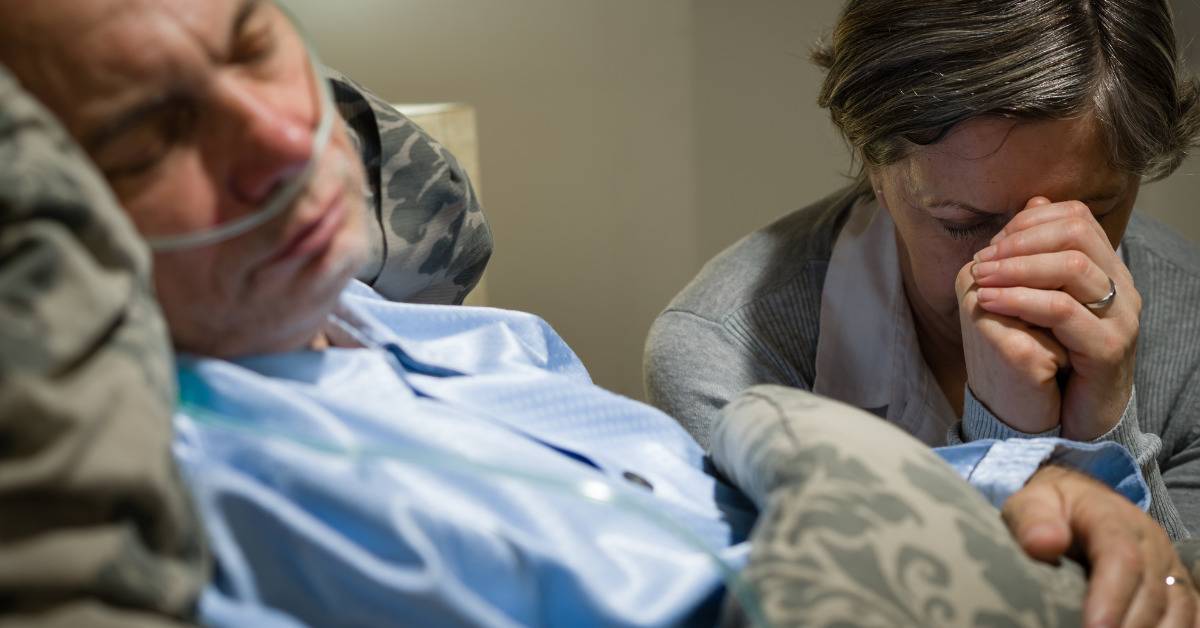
[(693, 367), (1180, 465)]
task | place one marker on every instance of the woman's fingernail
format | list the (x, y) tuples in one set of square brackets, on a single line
[(986, 254), (984, 269), (987, 294), (998, 237)]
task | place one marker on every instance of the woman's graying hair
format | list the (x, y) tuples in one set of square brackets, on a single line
[(904, 72)]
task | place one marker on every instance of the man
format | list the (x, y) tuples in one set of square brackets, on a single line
[(365, 462)]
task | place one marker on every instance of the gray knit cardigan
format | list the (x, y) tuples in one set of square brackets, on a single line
[(752, 317)]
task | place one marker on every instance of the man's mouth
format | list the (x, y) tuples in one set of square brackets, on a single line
[(316, 233)]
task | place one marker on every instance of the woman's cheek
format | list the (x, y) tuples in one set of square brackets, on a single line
[(940, 273)]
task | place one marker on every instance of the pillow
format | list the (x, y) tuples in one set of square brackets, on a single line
[(95, 527), (430, 241)]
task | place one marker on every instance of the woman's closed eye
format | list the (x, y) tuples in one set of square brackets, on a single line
[(975, 229)]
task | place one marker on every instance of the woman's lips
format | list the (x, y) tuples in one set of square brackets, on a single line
[(318, 233)]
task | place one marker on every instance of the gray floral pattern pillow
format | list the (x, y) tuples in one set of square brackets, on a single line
[(430, 241)]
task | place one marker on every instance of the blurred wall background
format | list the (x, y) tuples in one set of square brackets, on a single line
[(624, 142)]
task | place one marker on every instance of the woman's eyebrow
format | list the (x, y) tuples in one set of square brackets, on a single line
[(967, 207), (1101, 197)]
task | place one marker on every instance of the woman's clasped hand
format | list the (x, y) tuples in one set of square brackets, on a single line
[(1049, 316)]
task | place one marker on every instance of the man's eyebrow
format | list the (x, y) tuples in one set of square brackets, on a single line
[(245, 11), (125, 121), (136, 114)]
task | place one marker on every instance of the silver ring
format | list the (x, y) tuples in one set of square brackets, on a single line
[(1102, 304), (1172, 581)]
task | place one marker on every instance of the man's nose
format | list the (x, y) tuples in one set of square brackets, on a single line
[(270, 144)]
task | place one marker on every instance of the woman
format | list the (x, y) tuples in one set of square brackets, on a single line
[(986, 277)]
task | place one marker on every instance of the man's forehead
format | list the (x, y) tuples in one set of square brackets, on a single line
[(72, 52), (53, 22), (84, 39)]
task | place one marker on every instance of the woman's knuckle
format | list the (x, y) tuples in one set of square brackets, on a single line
[(1133, 329), (1077, 263), (1062, 306), (1135, 299), (1017, 352), (1113, 349), (1077, 229), (1078, 209), (1027, 355)]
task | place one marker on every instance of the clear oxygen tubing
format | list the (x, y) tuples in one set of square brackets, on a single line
[(600, 491), (284, 195)]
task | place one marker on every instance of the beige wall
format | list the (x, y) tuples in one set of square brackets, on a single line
[(623, 142), (764, 147), (1176, 200)]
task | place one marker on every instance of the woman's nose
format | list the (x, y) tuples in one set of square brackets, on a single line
[(270, 144)]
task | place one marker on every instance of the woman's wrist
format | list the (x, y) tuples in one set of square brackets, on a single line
[(979, 423)]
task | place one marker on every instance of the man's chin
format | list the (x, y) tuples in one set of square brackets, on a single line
[(281, 331), (318, 288), (273, 321), (279, 307)]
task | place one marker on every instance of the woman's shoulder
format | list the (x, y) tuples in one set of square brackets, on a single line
[(1153, 247), (787, 254), (1165, 267), (1166, 270)]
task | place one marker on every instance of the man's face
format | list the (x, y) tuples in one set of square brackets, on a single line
[(196, 112), (949, 199)]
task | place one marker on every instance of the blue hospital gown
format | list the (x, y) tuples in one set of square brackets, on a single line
[(455, 466)]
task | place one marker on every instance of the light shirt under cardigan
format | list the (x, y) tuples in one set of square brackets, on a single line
[(815, 301), (412, 476), (868, 354)]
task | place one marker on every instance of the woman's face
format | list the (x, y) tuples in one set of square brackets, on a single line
[(949, 199)]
